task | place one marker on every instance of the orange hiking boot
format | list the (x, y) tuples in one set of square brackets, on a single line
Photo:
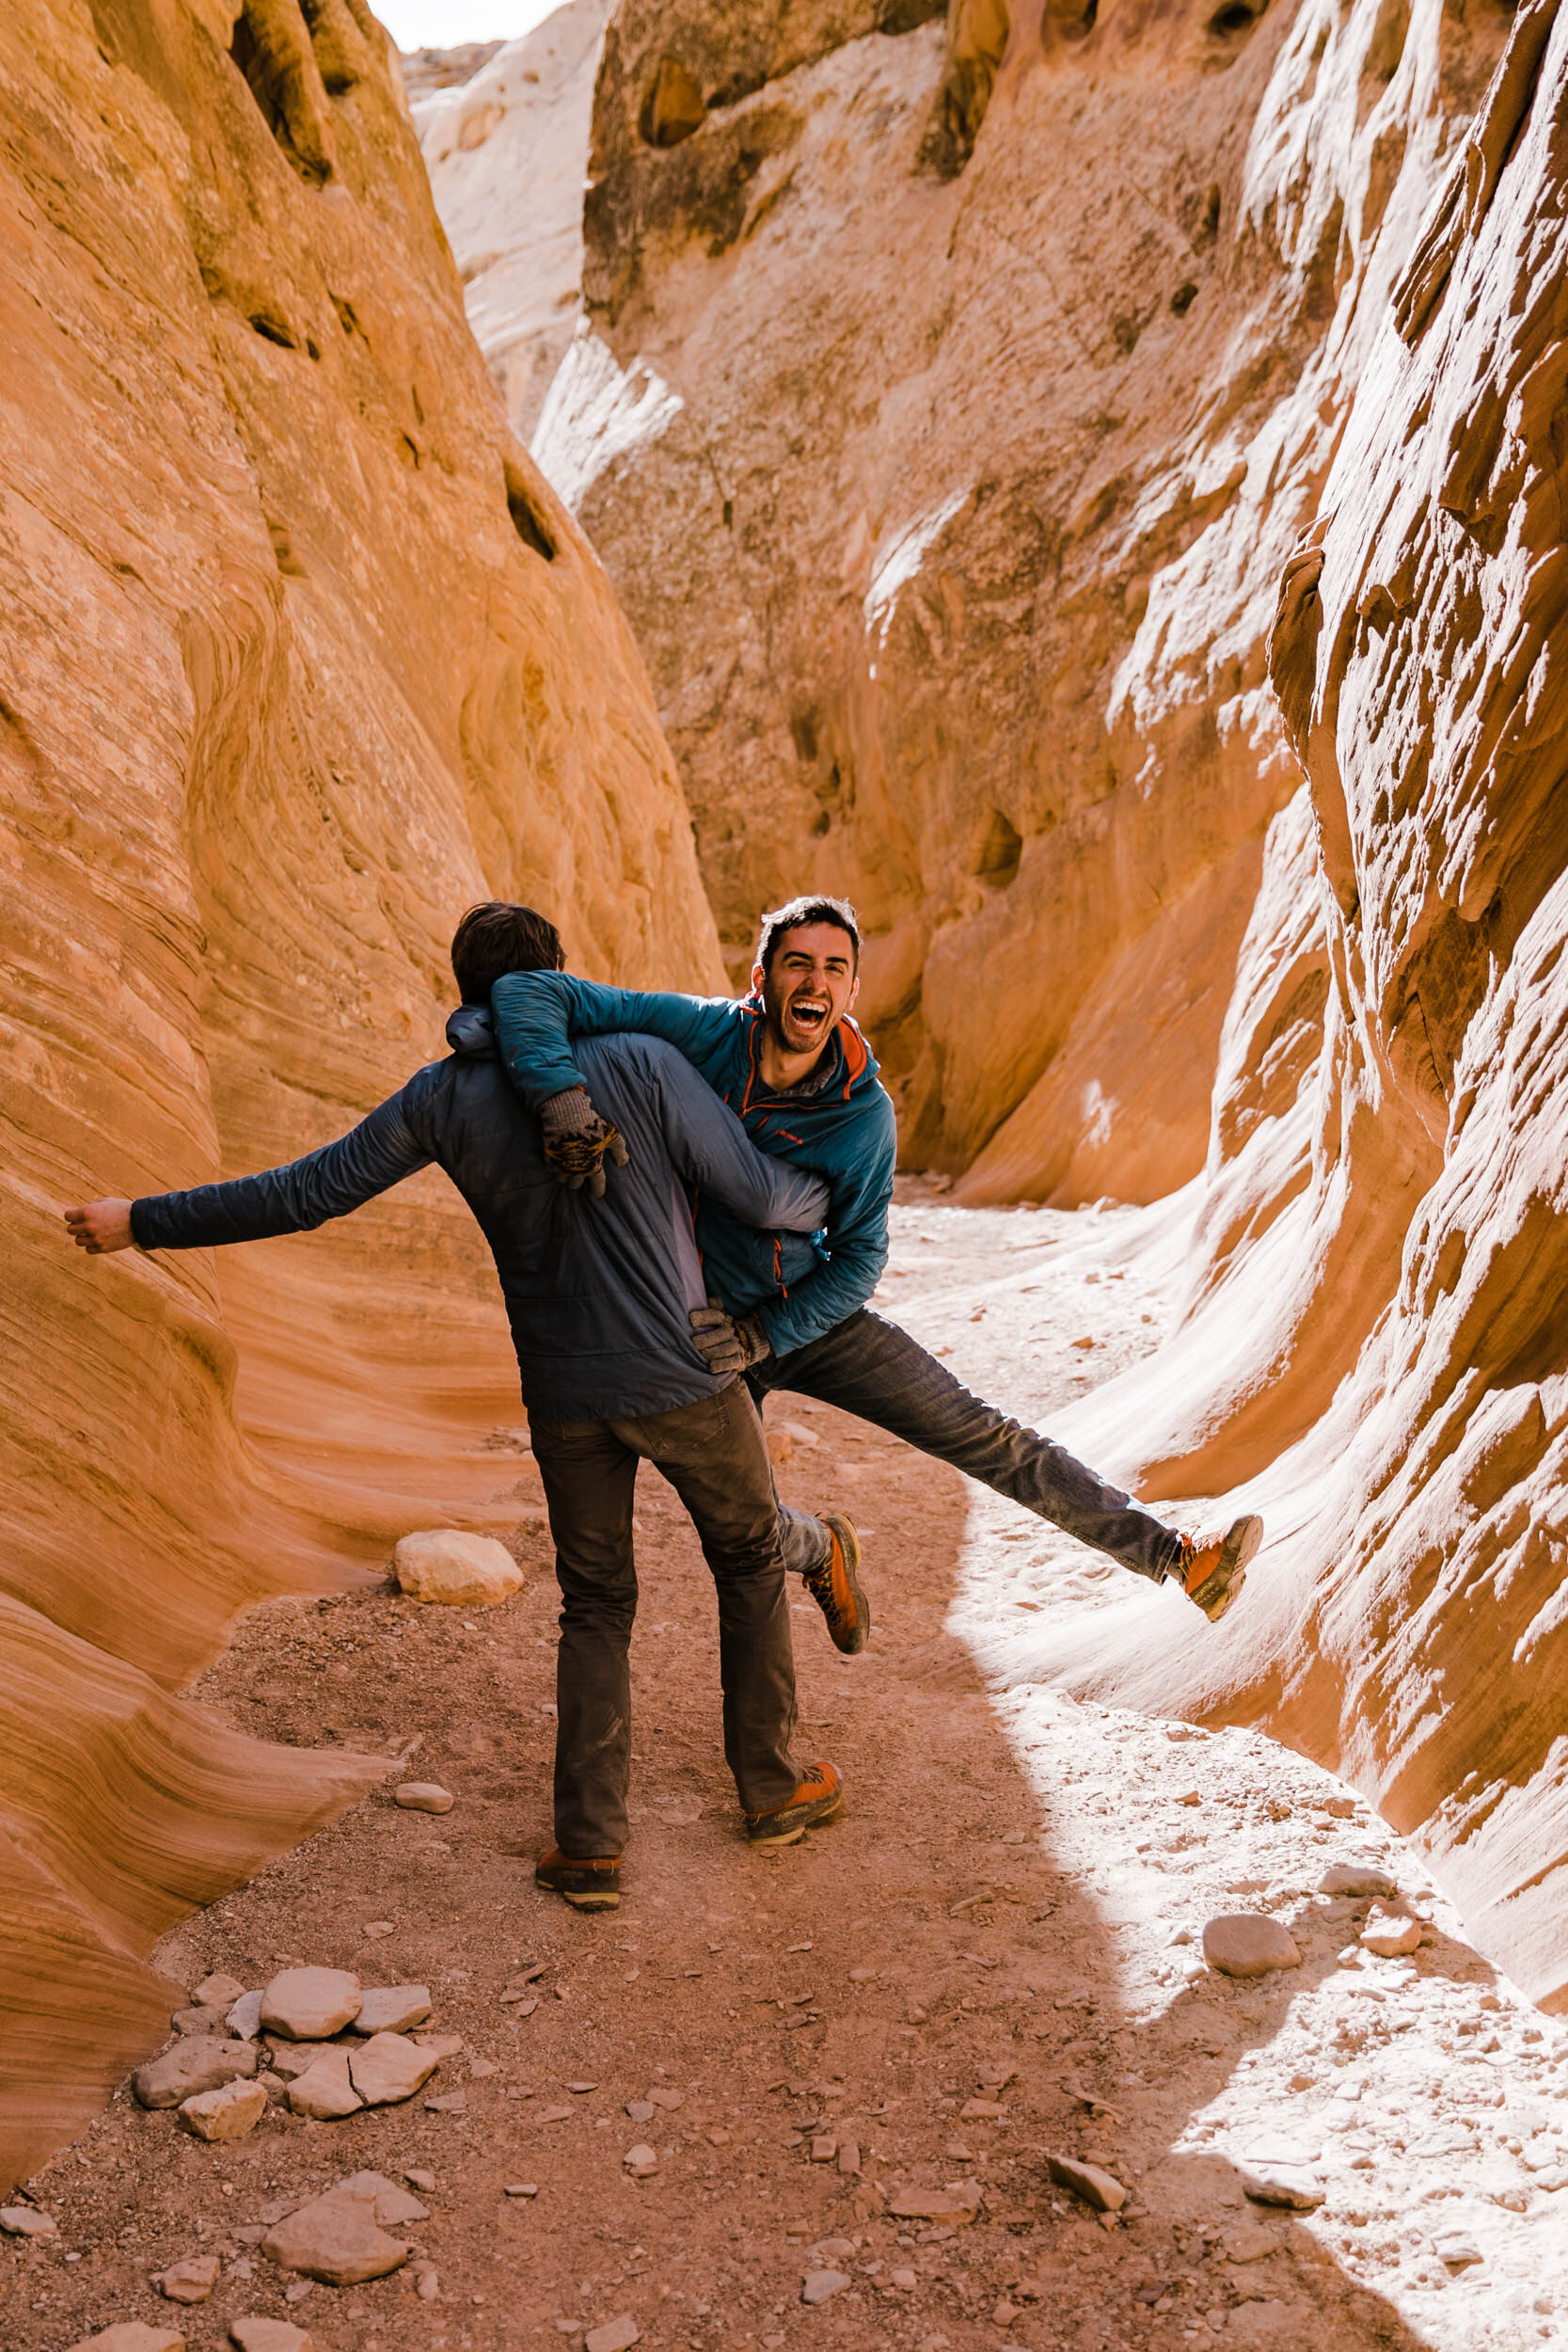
[(591, 1885), (835, 1587), (1212, 1568), (818, 1798)]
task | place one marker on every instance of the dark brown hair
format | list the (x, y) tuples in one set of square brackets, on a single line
[(796, 912), (495, 938)]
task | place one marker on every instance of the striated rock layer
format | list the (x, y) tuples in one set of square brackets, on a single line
[(300, 658)]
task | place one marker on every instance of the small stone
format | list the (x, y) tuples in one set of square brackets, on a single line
[(641, 2161), (325, 2091), (393, 2203), (388, 2069), (291, 2059), (132, 2335), (226, 2114), (1003, 2313), (245, 2019), (462, 1571), (26, 2222), (440, 2045), (392, 2008), (448, 2103), (1248, 1944), (429, 2286), (995, 2078), (1356, 1877), (849, 2158), (481, 2068), (1250, 2243), (641, 2110), (824, 2148), (615, 2335), (420, 2180), (521, 2188), (208, 2021), (668, 2099), (818, 2285), (1096, 2187), (977, 2110), (269, 2335), (376, 1928), (423, 1796), (218, 1991), (309, 2004), (957, 2206), (190, 2281), (336, 2237), (1457, 2249), (193, 2065), (1390, 1934), (904, 2280), (1270, 2182)]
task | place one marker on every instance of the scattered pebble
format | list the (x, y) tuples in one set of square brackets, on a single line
[(521, 2188), (615, 2335), (641, 2161), (189, 2281), (818, 2285), (132, 2335), (957, 2206), (1091, 2182), (423, 1796), (225, 2114), (270, 2335)]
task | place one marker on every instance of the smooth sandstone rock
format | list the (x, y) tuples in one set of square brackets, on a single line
[(242, 544), (388, 2068), (132, 2335), (615, 2335), (224, 2114), (244, 2018), (26, 2222), (393, 2009), (1390, 1934), (1246, 1944), (191, 2281), (309, 2004), (1356, 1877), (217, 1991), (193, 2065), (957, 2206), (325, 2091), (462, 1571), (1096, 2187), (818, 2285), (423, 1796), (260, 2334), (335, 2239)]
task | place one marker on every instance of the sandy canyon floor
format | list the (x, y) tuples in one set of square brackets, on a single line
[(1008, 1914)]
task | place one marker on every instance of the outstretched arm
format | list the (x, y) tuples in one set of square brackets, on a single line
[(379, 1153), (537, 1013), (710, 1148)]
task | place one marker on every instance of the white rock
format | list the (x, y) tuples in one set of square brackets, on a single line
[(309, 2004), (389, 2068), (1390, 1934), (462, 1571), (1248, 1944), (324, 2091), (245, 2019), (1457, 2248), (392, 2008), (225, 2114), (423, 1796)]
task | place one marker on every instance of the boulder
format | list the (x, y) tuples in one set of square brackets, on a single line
[(226, 2113), (388, 2068), (324, 2091), (192, 2066), (462, 1571), (1247, 1943), (309, 2004), (393, 2009)]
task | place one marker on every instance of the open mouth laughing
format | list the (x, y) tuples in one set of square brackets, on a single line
[(808, 1015)]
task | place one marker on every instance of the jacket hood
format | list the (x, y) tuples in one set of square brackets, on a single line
[(471, 1032)]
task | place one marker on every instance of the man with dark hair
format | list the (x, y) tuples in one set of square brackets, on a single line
[(599, 1293), (791, 1313)]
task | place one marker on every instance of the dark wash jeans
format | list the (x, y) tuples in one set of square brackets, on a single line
[(869, 1367), (714, 1455)]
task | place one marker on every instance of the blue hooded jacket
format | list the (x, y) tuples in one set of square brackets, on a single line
[(843, 1127)]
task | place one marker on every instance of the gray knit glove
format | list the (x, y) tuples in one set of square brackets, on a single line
[(578, 1141), (726, 1342)]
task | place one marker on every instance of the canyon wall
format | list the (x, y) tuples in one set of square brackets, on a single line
[(300, 656), (1029, 445)]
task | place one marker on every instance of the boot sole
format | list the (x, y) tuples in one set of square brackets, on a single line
[(788, 1833), (596, 1896), (1215, 1596), (849, 1545)]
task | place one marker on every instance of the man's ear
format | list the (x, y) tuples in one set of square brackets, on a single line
[(854, 991), (759, 980)]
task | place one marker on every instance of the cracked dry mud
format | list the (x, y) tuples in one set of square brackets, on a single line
[(992, 1922)]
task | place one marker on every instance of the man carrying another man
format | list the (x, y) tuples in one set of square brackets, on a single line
[(791, 1312), (599, 1294)]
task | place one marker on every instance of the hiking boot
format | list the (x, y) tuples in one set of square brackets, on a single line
[(593, 1885), (835, 1587), (818, 1798), (1212, 1568)]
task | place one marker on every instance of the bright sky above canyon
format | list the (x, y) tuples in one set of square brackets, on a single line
[(445, 23)]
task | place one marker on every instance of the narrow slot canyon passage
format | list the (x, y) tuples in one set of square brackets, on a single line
[(1007, 1921)]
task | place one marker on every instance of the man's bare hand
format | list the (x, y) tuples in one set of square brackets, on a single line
[(101, 1227)]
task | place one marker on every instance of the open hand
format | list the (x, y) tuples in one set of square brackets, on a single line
[(101, 1227)]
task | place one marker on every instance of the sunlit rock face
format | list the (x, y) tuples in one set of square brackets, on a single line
[(1375, 1338), (952, 390), (300, 658)]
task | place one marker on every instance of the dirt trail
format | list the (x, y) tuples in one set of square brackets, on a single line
[(1001, 1901)]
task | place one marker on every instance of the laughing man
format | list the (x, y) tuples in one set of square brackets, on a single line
[(790, 1311)]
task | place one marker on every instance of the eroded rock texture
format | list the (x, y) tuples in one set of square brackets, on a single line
[(953, 391), (300, 658)]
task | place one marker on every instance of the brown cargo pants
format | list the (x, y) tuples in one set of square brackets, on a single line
[(714, 1455)]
